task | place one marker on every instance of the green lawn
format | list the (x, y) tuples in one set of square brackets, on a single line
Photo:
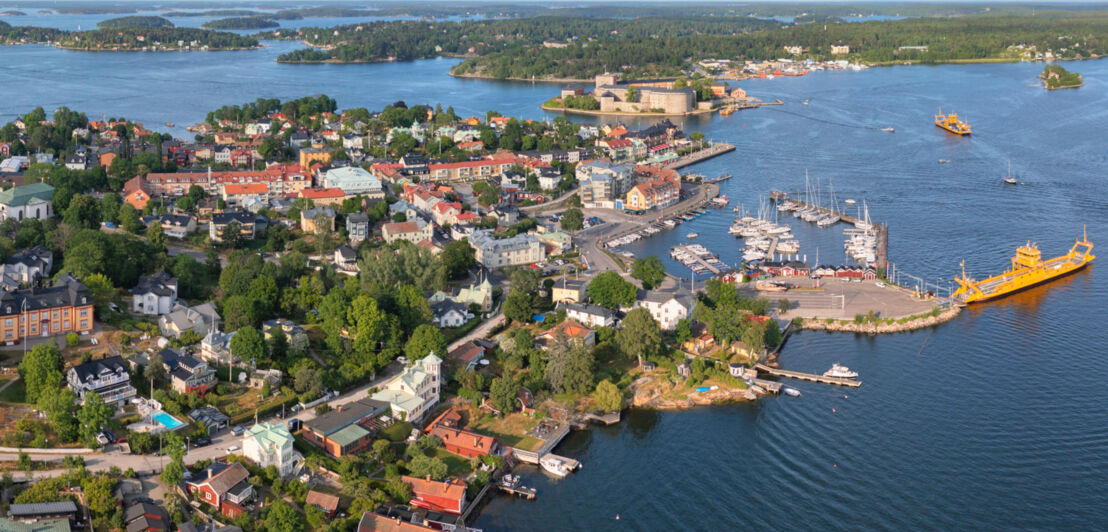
[(396, 432), (16, 393), (459, 466)]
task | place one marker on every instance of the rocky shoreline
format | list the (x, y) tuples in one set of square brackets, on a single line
[(650, 393), (881, 327)]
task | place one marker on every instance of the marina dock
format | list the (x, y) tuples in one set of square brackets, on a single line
[(773, 387), (811, 377), (882, 252), (698, 258)]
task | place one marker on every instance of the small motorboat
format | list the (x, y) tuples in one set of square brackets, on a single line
[(850, 201), (805, 102), (944, 161), (888, 129), (692, 235), (791, 392)]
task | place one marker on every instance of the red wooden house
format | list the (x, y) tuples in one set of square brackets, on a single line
[(447, 497), (223, 486)]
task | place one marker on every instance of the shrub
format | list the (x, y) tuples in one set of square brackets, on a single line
[(72, 339)]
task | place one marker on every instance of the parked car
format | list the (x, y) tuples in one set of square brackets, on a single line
[(880, 284), (294, 425), (202, 442), (237, 430), (232, 449)]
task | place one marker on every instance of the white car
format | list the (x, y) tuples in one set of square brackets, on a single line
[(232, 449), (879, 284)]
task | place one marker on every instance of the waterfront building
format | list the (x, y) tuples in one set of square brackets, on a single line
[(650, 95), (447, 497), (658, 193), (448, 428)]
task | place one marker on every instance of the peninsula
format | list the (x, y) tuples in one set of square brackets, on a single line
[(126, 39)]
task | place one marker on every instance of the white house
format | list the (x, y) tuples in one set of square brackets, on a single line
[(216, 347), (154, 295), (666, 307), (413, 393), (26, 266), (449, 313), (270, 444), (594, 315), (107, 377)]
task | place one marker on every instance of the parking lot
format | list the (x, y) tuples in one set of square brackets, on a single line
[(840, 299)]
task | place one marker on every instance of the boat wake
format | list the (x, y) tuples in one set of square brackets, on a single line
[(831, 122)]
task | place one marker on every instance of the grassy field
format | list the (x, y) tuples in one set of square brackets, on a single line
[(15, 393), (459, 466), (511, 430), (398, 431)]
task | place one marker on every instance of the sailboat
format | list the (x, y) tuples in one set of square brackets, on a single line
[(1010, 179)]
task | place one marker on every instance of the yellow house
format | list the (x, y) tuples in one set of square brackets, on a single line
[(314, 155)]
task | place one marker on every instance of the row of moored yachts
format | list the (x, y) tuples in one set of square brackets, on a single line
[(760, 235)]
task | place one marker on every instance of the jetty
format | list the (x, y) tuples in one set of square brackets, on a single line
[(511, 484), (773, 387), (698, 258), (714, 149), (811, 377), (882, 252), (611, 418)]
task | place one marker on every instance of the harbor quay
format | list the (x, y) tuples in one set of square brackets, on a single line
[(841, 299)]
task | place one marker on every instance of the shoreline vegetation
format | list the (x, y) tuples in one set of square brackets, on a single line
[(873, 325)]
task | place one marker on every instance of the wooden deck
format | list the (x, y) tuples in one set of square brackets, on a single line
[(811, 377)]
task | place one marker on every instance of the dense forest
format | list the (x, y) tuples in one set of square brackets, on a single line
[(241, 23), (978, 37), (407, 40), (134, 22), (262, 107)]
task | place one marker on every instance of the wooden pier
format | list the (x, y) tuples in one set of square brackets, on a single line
[(697, 258), (611, 418), (716, 149), (773, 387), (839, 381), (510, 484), (881, 254)]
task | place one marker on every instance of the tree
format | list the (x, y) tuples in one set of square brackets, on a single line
[(518, 306), (649, 270), (92, 416), (308, 381), (282, 517), (458, 257), (425, 339), (578, 377), (99, 495), (421, 466), (773, 335), (632, 94), (610, 290), (640, 335), (573, 219), (61, 409), (248, 344), (157, 238), (754, 337), (783, 305), (174, 471), (101, 289), (82, 212), (683, 331), (110, 205), (696, 136), (502, 394), (41, 371), (607, 397), (278, 345), (574, 201), (232, 235)]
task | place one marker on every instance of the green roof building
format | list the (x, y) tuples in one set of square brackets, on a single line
[(27, 201)]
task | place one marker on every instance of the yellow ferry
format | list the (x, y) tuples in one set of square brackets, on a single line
[(1028, 269), (951, 124)]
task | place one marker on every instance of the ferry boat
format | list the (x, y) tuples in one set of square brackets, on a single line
[(840, 371), (1028, 270), (951, 124)]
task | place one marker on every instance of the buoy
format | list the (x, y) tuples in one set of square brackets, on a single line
[(833, 411), (836, 466), (617, 517)]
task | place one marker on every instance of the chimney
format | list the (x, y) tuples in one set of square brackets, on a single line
[(209, 473)]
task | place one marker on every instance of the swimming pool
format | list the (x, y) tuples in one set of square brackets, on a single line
[(166, 420)]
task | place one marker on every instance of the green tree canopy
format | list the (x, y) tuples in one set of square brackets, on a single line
[(610, 290), (41, 371), (640, 336), (649, 270)]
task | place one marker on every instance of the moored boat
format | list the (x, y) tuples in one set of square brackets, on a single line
[(554, 466), (840, 371), (1028, 270)]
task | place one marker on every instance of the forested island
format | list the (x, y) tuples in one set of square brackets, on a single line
[(135, 22), (128, 38), (253, 22), (12, 14), (212, 13), (1056, 77), (560, 47)]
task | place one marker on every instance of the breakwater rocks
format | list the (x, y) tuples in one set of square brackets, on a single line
[(883, 326)]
